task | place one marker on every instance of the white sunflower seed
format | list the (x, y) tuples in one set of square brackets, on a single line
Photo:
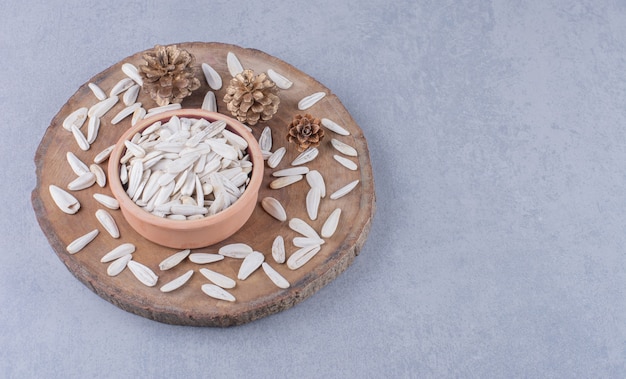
[(123, 174), (121, 86), (218, 279), (118, 265), (274, 208), (310, 100), (135, 175), (164, 194), (78, 166), (97, 91), (152, 128), (80, 138), (276, 157), (306, 156), (274, 276), (130, 96), (281, 81), (265, 140), (188, 210), (199, 193), (343, 147), (66, 202), (223, 149), (76, 118), (209, 103), (101, 108), (213, 79), (117, 252), (86, 180), (93, 126), (143, 273), (164, 178), (234, 66), (103, 155), (217, 292), (181, 163), (291, 171), (188, 185), (107, 201), (313, 198), (79, 243), (302, 256), (333, 126), (300, 226), (316, 180), (101, 178), (177, 283), (250, 263), (330, 225), (138, 114), (125, 113), (235, 139), (108, 222), (306, 241), (174, 259), (235, 250), (278, 249), (344, 190), (284, 181), (204, 258), (345, 162), (132, 72), (240, 179), (163, 108), (135, 149)]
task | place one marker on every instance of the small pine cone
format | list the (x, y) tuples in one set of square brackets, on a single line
[(305, 131), (168, 75), (252, 98)]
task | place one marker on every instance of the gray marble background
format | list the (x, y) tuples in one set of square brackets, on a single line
[(497, 133)]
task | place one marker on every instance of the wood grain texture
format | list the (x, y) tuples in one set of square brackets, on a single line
[(256, 296)]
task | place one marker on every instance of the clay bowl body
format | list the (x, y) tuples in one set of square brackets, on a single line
[(188, 234)]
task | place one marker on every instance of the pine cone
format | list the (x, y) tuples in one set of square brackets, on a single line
[(252, 98), (305, 131), (168, 75)]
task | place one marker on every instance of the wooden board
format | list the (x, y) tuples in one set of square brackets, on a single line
[(257, 296)]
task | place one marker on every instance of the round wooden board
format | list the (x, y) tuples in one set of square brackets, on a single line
[(256, 296)]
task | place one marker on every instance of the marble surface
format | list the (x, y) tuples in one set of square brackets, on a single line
[(497, 133)]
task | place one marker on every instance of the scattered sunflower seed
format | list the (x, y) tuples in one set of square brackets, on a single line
[(217, 278), (344, 190), (281, 81), (310, 100), (118, 265), (234, 66), (217, 292), (143, 273), (278, 249), (330, 225), (302, 256), (66, 202), (177, 283), (174, 259), (250, 263), (274, 276), (79, 243), (274, 208), (119, 251)]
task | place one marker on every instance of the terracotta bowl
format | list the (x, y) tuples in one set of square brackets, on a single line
[(188, 234)]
